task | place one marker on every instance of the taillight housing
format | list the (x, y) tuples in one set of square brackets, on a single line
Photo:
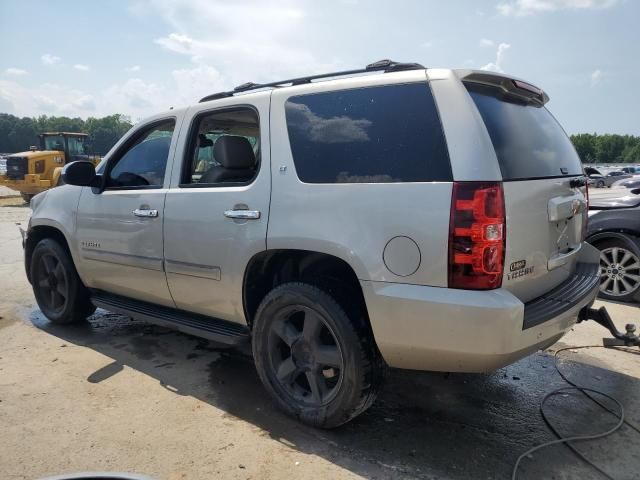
[(477, 234)]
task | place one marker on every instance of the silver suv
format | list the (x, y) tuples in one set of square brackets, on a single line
[(395, 216)]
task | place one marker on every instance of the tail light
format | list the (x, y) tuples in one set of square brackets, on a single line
[(477, 235)]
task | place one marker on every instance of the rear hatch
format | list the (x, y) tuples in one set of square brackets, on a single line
[(545, 203)]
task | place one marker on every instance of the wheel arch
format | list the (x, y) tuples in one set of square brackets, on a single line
[(270, 268), (35, 235), (620, 234)]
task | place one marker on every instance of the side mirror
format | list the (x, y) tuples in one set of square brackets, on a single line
[(80, 173)]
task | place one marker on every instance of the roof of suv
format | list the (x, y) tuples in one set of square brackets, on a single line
[(384, 66), (510, 85)]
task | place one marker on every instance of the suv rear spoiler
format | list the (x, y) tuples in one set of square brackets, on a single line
[(513, 87)]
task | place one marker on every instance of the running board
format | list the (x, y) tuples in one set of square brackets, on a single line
[(210, 328)]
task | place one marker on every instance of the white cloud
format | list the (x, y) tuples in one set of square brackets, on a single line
[(498, 64), (427, 44), (49, 59), (82, 68), (135, 97), (224, 44), (596, 76), (46, 98), (249, 40), (485, 42), (520, 8), (15, 71), (194, 83)]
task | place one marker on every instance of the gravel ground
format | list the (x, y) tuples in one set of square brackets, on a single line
[(8, 192), (123, 395)]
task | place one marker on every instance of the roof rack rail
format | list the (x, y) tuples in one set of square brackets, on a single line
[(381, 65)]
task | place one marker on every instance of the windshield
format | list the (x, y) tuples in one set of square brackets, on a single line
[(54, 142), (528, 141), (76, 145)]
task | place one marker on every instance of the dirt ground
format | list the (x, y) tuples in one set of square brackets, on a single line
[(122, 395)]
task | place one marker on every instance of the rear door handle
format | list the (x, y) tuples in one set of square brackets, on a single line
[(145, 213), (243, 214)]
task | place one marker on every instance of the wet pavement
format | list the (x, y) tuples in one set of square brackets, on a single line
[(123, 394), (424, 425)]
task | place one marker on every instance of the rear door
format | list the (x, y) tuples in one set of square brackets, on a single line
[(546, 211), (217, 209)]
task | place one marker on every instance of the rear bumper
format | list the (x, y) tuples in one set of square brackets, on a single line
[(440, 329)]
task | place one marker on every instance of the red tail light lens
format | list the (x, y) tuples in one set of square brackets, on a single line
[(476, 236)]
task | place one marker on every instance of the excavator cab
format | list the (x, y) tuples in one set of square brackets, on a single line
[(75, 146)]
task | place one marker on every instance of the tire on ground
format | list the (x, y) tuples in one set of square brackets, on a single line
[(363, 368), (76, 306)]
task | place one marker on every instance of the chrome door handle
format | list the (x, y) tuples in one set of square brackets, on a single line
[(243, 214), (145, 213)]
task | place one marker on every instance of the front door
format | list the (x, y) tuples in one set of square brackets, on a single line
[(119, 231), (217, 209)]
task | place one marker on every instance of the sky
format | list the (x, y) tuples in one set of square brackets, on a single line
[(140, 57)]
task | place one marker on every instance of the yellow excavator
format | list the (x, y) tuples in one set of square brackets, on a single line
[(39, 168)]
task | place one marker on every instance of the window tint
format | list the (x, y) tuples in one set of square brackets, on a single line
[(144, 163), (373, 135), (528, 141), (224, 148), (54, 142), (76, 145)]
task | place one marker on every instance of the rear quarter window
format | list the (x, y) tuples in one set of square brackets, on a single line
[(381, 134), (528, 141)]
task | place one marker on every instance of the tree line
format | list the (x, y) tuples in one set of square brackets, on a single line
[(18, 134), (594, 148)]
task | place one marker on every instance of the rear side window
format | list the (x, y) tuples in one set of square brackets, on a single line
[(368, 135), (528, 140)]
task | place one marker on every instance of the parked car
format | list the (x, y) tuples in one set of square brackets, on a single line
[(397, 216), (630, 183), (631, 170), (614, 228), (600, 180)]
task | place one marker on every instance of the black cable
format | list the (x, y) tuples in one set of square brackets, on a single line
[(576, 438), (585, 391), (564, 377)]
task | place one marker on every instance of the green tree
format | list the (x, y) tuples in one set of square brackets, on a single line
[(18, 134), (607, 148), (585, 144)]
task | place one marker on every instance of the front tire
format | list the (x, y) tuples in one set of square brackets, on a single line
[(59, 291), (316, 362), (619, 268), (600, 184)]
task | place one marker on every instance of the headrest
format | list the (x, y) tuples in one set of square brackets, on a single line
[(234, 152), (203, 141)]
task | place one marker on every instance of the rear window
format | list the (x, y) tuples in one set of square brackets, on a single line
[(368, 135), (528, 140)]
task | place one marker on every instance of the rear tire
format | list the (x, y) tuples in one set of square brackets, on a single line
[(314, 361), (57, 287), (27, 197), (619, 268)]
